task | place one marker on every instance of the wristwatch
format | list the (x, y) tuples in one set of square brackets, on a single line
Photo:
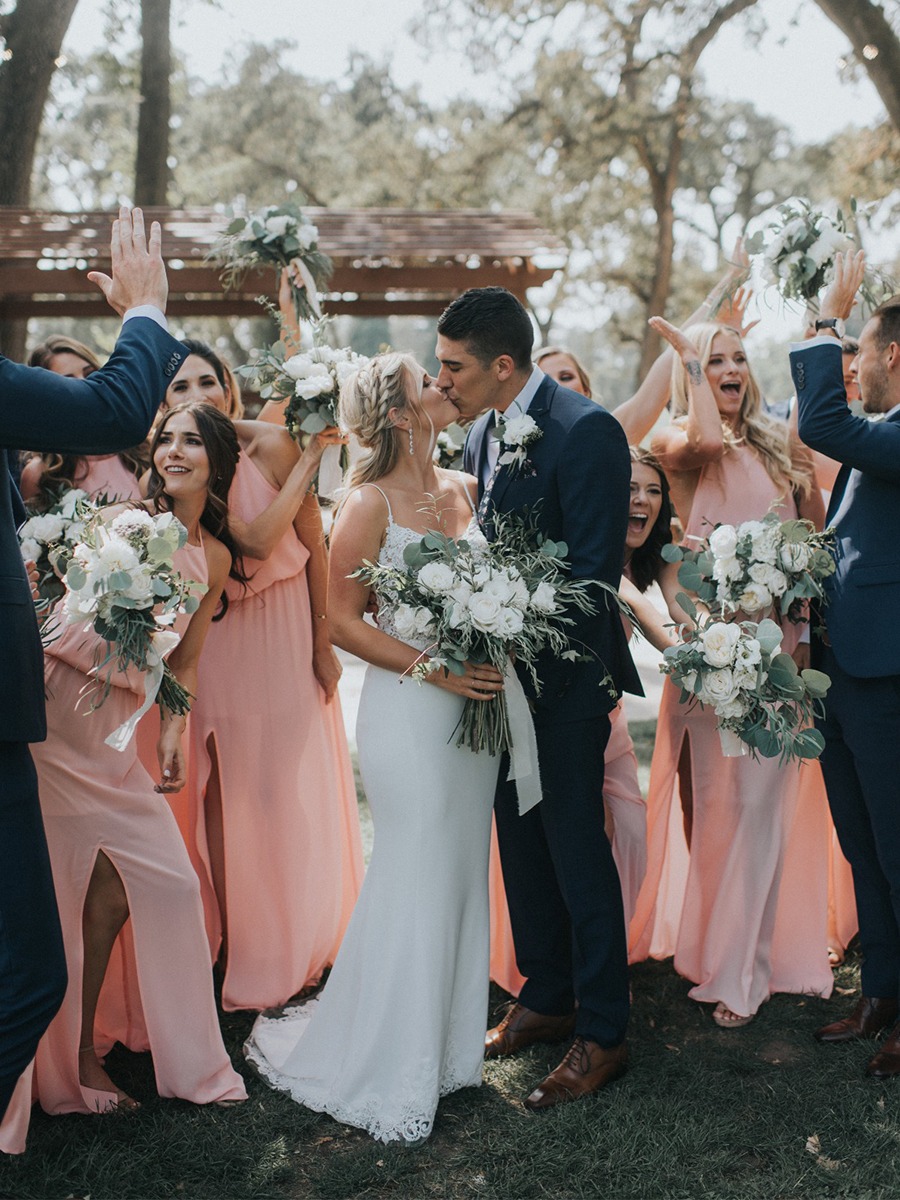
[(834, 323)]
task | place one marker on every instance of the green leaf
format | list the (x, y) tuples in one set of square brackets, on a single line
[(191, 604), (671, 553), (690, 576), (817, 683), (687, 605), (119, 581), (235, 226), (809, 743), (313, 423), (75, 575), (159, 549), (768, 634), (766, 742)]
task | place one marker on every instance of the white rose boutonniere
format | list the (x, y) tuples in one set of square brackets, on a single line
[(517, 433)]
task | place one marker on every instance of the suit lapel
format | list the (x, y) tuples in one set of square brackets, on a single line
[(538, 410), (837, 492)]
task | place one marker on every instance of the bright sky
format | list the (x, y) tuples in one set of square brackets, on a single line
[(793, 73)]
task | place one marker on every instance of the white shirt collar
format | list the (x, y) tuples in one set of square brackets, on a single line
[(527, 394)]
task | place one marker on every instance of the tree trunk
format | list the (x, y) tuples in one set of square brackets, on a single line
[(34, 33), (865, 24), (151, 171)]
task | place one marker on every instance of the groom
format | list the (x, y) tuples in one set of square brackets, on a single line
[(564, 896)]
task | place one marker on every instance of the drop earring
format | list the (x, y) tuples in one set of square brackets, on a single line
[(412, 448)]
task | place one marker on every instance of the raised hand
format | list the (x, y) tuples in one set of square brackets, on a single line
[(840, 296), (733, 311), (679, 341), (138, 272)]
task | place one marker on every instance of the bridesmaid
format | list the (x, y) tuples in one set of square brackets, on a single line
[(274, 825), (46, 476), (114, 846), (726, 462)]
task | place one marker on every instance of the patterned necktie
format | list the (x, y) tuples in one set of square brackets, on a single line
[(484, 504)]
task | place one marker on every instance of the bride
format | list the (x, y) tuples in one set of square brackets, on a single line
[(401, 1020)]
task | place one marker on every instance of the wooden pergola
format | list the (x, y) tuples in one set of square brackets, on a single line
[(386, 260)]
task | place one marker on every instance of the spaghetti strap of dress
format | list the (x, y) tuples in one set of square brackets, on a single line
[(387, 502)]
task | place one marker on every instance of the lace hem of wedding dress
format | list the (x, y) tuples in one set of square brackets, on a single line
[(411, 1123)]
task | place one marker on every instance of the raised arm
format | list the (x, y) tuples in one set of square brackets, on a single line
[(308, 525), (697, 440)]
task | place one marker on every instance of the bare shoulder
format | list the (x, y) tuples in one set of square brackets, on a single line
[(365, 505), (218, 559)]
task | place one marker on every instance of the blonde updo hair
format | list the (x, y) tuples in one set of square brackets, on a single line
[(770, 438), (368, 396)]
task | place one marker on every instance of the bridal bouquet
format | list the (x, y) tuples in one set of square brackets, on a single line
[(798, 253), (762, 701), (756, 565), (120, 581), (310, 381), (482, 604), (49, 538), (280, 236), (448, 450)]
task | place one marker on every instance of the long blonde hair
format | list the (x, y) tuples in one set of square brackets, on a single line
[(770, 438), (388, 381)]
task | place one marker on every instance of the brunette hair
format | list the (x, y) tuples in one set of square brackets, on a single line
[(646, 562), (888, 328), (222, 448), (490, 321), (222, 371), (770, 438)]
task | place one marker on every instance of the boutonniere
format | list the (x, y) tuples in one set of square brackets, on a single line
[(516, 433)]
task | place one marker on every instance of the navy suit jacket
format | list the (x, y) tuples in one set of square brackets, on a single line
[(579, 493), (109, 411), (864, 592)]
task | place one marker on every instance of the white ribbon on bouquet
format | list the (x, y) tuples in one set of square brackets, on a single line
[(523, 755), (163, 642)]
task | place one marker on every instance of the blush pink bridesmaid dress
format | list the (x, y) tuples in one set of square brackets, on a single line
[(93, 799), (720, 907), (293, 860)]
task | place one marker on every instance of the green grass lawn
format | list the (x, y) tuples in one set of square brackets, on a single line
[(762, 1112)]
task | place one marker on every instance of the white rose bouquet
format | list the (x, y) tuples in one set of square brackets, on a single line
[(483, 604), (758, 566), (763, 703), (798, 252), (49, 538), (280, 236), (310, 381), (121, 583)]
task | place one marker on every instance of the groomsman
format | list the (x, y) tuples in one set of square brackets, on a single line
[(858, 644), (110, 411), (565, 900)]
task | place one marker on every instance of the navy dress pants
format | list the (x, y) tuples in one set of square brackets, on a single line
[(563, 889), (32, 960), (861, 765)]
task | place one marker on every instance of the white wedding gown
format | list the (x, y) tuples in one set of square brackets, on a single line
[(401, 1020)]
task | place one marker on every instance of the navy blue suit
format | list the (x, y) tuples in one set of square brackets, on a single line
[(564, 895), (110, 411), (861, 651)]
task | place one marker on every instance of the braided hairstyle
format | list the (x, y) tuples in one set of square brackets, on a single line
[(388, 382)]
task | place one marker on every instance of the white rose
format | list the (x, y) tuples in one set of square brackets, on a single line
[(765, 545), (298, 366), (117, 555), (688, 680), (719, 642), (744, 678), (543, 598), (726, 569), (70, 501), (278, 226), (30, 549), (141, 588), (436, 577), (461, 592), (499, 585), (754, 598), (748, 653), (405, 620), (46, 528), (423, 620), (484, 610), (733, 709), (770, 577), (509, 622), (718, 687), (519, 429), (723, 541), (314, 385), (307, 234), (795, 556)]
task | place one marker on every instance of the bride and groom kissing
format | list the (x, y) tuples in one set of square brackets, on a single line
[(401, 1019)]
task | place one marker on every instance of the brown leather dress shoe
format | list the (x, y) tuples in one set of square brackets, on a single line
[(586, 1068), (871, 1015), (521, 1027), (886, 1063)]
